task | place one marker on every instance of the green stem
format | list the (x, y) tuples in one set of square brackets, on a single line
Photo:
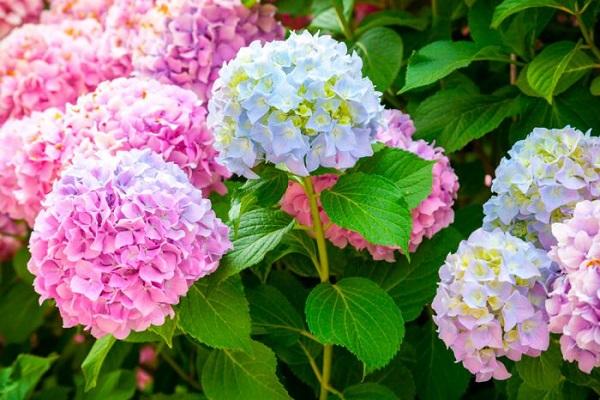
[(323, 273), (339, 11), (179, 371), (587, 35)]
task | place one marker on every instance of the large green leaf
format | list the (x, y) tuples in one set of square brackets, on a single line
[(217, 314), (453, 118), (438, 376), (409, 172), (397, 377), (359, 315), (369, 391), (18, 381), (510, 7), (19, 302), (273, 315), (269, 188), (234, 375), (115, 385), (391, 18), (370, 205), (542, 372), (259, 232), (92, 364), (381, 50), (439, 59)]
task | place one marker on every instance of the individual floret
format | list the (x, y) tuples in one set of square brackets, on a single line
[(14, 13)]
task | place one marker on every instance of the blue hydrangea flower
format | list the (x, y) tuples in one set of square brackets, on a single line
[(546, 175), (300, 104)]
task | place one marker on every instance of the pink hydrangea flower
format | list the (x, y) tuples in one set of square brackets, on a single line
[(148, 356), (490, 302), (574, 303), (130, 113), (15, 13), (43, 66), (33, 151), (143, 379), (185, 42), (11, 233), (120, 240), (76, 9), (429, 217)]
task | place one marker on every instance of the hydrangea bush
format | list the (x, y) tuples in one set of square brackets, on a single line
[(308, 199)]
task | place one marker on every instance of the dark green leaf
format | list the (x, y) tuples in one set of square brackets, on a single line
[(595, 86), (542, 372), (381, 50), (166, 330), (269, 188), (369, 391), (115, 385), (92, 364), (397, 377), (26, 315), (18, 381), (391, 18), (510, 7)]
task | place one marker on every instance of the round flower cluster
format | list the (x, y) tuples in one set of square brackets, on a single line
[(429, 217), (574, 303), (545, 176), (129, 113), (43, 66), (15, 13), (490, 302), (76, 9), (300, 104), (120, 240), (33, 151), (185, 42), (11, 234)]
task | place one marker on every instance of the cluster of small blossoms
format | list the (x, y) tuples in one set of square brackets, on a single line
[(14, 13), (76, 9), (130, 113), (429, 217), (11, 235), (120, 240), (43, 66), (574, 302), (301, 104), (545, 176), (490, 302), (185, 42), (33, 151)]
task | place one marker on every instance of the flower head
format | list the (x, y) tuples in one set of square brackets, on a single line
[(138, 113), (120, 240), (15, 13), (490, 302), (76, 9), (429, 217), (11, 233), (574, 303), (546, 175), (43, 66), (301, 103)]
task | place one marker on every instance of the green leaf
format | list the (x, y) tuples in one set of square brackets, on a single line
[(397, 377), (510, 7), (542, 372), (553, 63), (217, 314), (293, 7), (269, 188), (595, 86), (391, 18), (19, 302), (438, 375), (273, 315), (115, 385), (369, 391), (359, 315), (439, 59), (259, 232), (235, 375), (412, 284), (562, 391), (381, 50), (454, 118), (372, 206), (19, 262), (166, 330), (18, 381), (409, 172), (92, 364), (327, 21)]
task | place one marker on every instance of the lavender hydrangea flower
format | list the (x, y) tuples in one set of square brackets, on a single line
[(546, 175), (121, 239), (490, 302), (300, 104)]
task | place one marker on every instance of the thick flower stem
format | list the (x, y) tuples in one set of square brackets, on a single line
[(323, 273)]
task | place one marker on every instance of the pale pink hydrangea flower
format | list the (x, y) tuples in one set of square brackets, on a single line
[(14, 13), (574, 303), (129, 113), (43, 66), (33, 151), (490, 302), (185, 42), (11, 235), (429, 217), (76, 9), (120, 240)]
